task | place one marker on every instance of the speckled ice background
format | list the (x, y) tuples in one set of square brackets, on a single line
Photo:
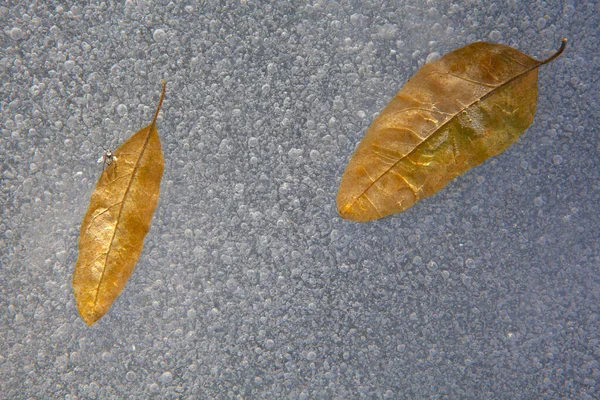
[(250, 285)]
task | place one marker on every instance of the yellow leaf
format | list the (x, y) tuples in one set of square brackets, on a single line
[(452, 115), (118, 219)]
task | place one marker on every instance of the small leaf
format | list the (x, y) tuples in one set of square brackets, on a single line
[(118, 219), (452, 115)]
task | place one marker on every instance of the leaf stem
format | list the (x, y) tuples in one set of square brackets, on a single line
[(558, 53), (162, 96)]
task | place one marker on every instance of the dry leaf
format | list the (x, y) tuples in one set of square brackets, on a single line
[(453, 114), (118, 219)]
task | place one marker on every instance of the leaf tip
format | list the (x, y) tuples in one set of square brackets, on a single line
[(89, 317), (343, 211), (351, 212), (89, 311)]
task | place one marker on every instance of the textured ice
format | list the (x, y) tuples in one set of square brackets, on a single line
[(250, 285)]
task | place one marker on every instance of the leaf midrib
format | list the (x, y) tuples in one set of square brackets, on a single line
[(363, 193), (129, 184)]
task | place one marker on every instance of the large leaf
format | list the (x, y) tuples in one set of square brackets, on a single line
[(118, 219), (453, 114)]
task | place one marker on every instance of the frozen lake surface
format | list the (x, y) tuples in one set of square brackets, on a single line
[(250, 285)]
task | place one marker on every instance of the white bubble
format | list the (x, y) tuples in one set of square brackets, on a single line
[(541, 23), (34, 90), (315, 155), (16, 33), (166, 378), (191, 314), (466, 280), (122, 109), (357, 19), (159, 35), (495, 35), (295, 154), (432, 56), (106, 356), (69, 65), (557, 160), (538, 201)]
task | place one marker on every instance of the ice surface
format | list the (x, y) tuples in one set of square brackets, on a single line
[(250, 285)]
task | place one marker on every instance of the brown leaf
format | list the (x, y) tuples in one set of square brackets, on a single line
[(118, 219), (452, 115)]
